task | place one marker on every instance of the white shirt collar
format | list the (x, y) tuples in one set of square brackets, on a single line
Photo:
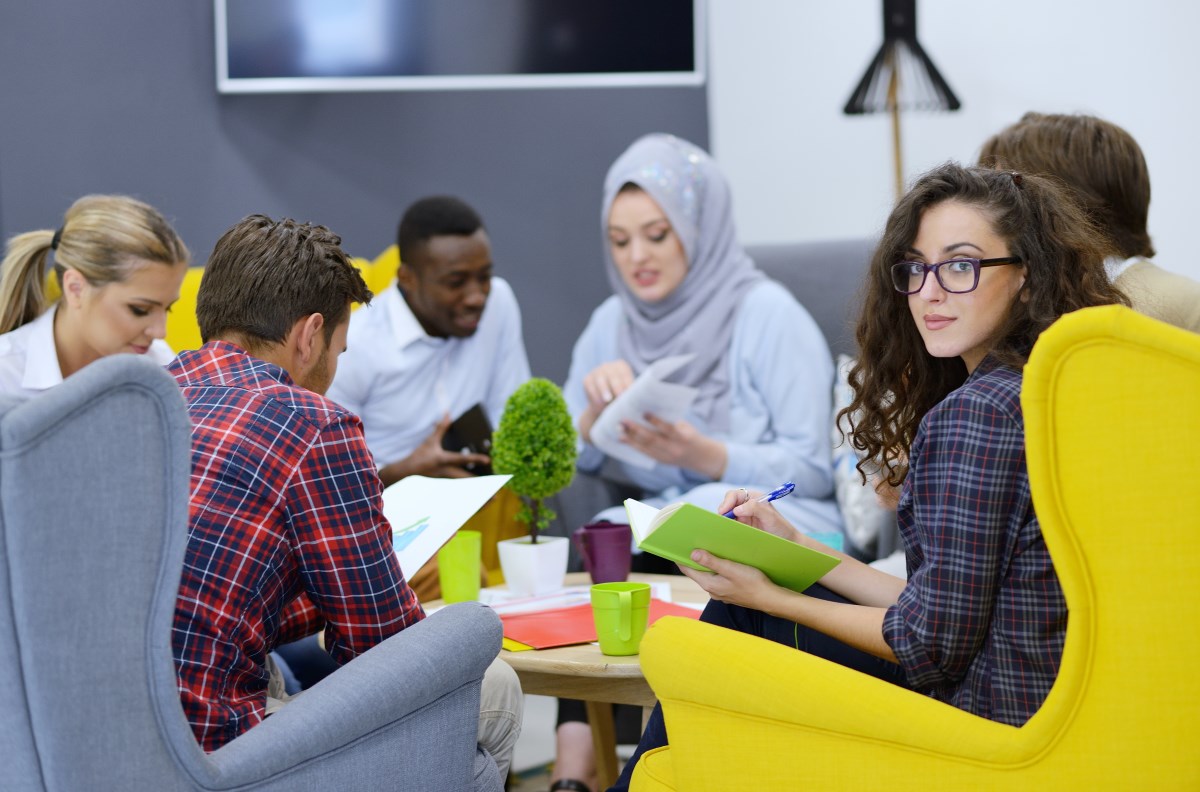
[(1115, 267), (41, 359), (406, 328)]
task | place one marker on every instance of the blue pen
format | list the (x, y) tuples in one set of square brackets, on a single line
[(775, 494)]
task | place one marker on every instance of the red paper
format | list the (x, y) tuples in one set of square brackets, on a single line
[(566, 626)]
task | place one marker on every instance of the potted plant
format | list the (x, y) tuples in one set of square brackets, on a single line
[(535, 443)]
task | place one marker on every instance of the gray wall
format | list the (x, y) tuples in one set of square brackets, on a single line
[(120, 96)]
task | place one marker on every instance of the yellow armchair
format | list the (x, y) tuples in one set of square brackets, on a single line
[(1112, 413), (183, 332)]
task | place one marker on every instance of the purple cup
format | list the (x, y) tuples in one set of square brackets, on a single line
[(606, 550)]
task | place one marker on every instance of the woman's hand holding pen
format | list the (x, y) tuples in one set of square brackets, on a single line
[(739, 584), (748, 507)]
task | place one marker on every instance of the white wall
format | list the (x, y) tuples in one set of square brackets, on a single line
[(783, 69)]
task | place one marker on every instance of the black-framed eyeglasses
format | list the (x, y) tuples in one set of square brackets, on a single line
[(956, 275)]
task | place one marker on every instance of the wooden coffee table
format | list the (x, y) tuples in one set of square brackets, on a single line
[(582, 672)]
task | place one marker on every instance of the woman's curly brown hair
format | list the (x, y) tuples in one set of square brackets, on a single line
[(895, 380)]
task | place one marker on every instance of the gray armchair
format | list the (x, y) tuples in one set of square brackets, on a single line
[(93, 524)]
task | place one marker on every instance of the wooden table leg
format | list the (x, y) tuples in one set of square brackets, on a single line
[(604, 740)]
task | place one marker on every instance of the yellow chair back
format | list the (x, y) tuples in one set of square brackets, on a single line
[(379, 273), (183, 332)]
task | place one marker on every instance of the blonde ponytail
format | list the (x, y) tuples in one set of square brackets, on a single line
[(22, 279)]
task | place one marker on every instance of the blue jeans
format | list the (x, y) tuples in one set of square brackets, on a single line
[(763, 625)]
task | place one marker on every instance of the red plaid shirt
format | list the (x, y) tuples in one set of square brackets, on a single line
[(286, 535)]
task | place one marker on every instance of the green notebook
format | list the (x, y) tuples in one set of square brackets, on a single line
[(674, 531)]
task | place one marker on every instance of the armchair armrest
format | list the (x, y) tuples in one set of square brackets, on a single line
[(791, 715), (418, 692)]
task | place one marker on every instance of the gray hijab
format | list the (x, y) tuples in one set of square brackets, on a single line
[(697, 318)]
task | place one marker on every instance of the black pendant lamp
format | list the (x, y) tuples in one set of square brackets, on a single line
[(901, 77)]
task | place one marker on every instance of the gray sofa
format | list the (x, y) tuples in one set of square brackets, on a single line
[(93, 526), (826, 277)]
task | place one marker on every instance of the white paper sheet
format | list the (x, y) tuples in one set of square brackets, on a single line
[(504, 602), (425, 512), (647, 394), (640, 517)]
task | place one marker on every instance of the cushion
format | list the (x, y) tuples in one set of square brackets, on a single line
[(864, 518)]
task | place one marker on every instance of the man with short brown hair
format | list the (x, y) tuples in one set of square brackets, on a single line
[(286, 531)]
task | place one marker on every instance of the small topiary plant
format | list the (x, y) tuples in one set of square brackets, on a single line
[(535, 442)]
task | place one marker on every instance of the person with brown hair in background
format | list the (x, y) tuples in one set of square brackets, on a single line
[(1104, 168)]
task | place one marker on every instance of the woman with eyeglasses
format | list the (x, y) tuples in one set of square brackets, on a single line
[(973, 265)]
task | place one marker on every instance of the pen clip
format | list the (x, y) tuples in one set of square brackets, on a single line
[(784, 490)]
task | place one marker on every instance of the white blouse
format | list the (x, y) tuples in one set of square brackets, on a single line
[(29, 357)]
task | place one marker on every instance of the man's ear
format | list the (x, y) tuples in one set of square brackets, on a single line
[(304, 339), (406, 277), (73, 284)]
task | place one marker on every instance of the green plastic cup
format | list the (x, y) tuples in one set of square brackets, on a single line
[(458, 567), (620, 611)]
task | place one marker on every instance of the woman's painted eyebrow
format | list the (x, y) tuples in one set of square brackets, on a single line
[(646, 224), (914, 252), (957, 245)]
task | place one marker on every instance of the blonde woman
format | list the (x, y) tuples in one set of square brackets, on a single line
[(118, 265)]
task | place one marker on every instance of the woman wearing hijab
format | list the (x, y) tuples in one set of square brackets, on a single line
[(683, 285)]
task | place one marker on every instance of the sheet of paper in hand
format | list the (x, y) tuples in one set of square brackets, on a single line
[(648, 394), (425, 512)]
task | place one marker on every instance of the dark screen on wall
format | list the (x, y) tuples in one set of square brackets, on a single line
[(431, 38)]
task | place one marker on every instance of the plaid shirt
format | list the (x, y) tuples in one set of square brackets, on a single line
[(981, 623), (286, 535)]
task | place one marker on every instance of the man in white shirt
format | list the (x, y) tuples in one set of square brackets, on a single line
[(445, 337)]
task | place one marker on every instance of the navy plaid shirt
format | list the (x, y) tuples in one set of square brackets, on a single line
[(981, 623), (286, 534)]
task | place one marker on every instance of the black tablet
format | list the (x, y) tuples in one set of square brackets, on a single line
[(471, 432)]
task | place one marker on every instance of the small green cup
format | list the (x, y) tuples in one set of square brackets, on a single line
[(620, 611), (458, 567)]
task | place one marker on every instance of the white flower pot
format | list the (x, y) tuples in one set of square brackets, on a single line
[(530, 569)]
